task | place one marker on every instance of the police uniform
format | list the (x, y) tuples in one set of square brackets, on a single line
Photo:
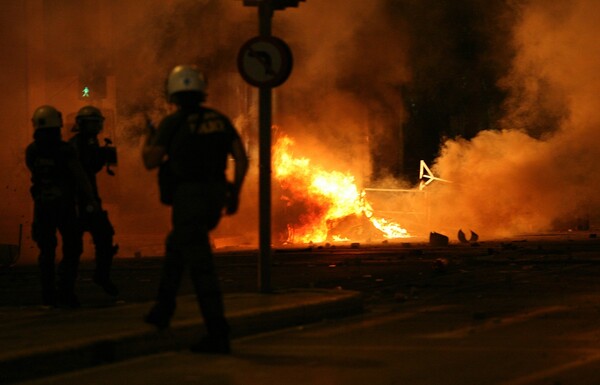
[(93, 158), (191, 148), (198, 142), (53, 190)]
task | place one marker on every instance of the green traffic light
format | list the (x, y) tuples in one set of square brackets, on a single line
[(85, 93)]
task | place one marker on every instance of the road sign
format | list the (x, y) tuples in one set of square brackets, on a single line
[(265, 61)]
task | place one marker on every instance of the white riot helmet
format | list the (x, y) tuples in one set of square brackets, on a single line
[(185, 78), (46, 117)]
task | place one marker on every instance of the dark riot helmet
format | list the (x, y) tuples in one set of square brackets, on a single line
[(46, 117), (88, 114)]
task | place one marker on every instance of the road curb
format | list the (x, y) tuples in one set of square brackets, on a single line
[(49, 360)]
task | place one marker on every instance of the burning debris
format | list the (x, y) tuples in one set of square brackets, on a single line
[(463, 239), (437, 239), (324, 205)]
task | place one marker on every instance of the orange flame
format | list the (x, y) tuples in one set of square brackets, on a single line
[(327, 196)]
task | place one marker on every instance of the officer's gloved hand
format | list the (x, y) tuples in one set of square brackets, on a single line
[(232, 199)]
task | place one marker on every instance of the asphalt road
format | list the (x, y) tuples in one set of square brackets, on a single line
[(525, 311), (384, 272)]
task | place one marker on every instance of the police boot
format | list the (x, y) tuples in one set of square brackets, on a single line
[(102, 273), (67, 299), (217, 339), (47, 277), (49, 297), (107, 285), (160, 315)]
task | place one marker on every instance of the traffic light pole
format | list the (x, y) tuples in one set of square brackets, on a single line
[(265, 14)]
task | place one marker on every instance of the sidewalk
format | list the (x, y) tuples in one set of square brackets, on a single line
[(37, 342)]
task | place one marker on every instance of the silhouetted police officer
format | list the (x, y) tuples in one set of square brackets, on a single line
[(93, 157), (57, 177), (191, 147)]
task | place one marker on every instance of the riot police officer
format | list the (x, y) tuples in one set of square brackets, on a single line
[(191, 147), (93, 157), (57, 178)]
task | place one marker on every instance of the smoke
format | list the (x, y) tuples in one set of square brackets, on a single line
[(167, 34), (46, 50), (342, 102), (539, 170), (357, 100), (337, 100), (519, 77), (14, 190)]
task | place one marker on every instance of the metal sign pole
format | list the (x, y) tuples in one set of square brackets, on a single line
[(265, 14), (265, 62)]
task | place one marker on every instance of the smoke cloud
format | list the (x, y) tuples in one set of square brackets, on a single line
[(364, 74), (342, 101), (46, 50), (538, 172)]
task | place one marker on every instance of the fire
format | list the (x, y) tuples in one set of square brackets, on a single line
[(326, 197)]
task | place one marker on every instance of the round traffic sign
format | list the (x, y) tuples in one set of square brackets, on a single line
[(265, 61)]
